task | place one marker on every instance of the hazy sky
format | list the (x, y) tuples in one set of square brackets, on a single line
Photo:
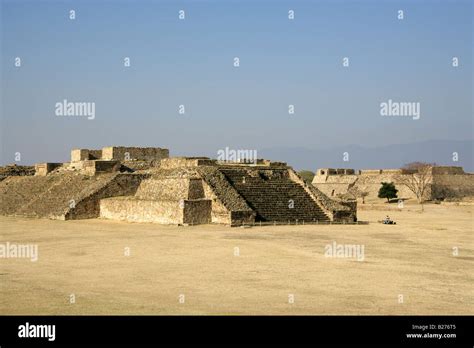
[(190, 62)]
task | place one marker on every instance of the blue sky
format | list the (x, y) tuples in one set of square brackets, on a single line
[(190, 62)]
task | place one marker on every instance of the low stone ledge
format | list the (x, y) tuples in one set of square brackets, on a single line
[(42, 169)]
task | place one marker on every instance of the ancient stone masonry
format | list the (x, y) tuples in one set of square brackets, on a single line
[(145, 185), (116, 158), (273, 195), (445, 182), (78, 155), (121, 153), (43, 169), (336, 209)]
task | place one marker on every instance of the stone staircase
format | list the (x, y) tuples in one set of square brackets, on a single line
[(274, 196)]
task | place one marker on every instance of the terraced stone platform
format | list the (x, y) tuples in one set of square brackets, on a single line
[(148, 186), (61, 196)]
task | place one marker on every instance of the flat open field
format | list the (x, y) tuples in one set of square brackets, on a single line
[(276, 264)]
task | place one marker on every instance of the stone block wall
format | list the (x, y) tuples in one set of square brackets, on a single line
[(186, 162), (195, 189), (445, 170), (370, 171), (93, 167), (121, 153), (85, 154), (373, 183), (42, 169), (448, 186), (197, 211), (239, 218), (332, 171), (164, 188), (446, 182), (167, 212), (139, 210)]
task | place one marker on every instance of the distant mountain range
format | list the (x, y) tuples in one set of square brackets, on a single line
[(390, 156)]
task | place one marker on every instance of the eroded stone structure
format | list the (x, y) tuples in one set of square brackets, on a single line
[(145, 185), (445, 182)]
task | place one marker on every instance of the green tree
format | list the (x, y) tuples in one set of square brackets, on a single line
[(388, 191), (307, 176)]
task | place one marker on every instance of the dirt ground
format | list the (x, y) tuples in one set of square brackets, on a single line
[(212, 269)]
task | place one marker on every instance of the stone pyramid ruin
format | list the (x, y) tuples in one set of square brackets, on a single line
[(146, 185)]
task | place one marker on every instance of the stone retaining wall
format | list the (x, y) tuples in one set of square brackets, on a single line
[(446, 182), (121, 153), (42, 169), (168, 212)]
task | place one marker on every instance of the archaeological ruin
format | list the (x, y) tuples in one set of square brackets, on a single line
[(146, 185), (443, 182)]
